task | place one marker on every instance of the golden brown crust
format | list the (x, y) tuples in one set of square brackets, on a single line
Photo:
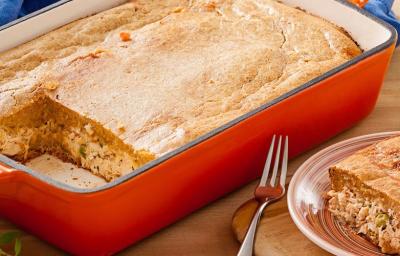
[(82, 33), (189, 67), (374, 172)]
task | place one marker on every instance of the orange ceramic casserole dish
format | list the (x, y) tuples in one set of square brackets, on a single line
[(107, 219)]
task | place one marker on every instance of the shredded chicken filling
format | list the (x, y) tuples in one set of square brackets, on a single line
[(79, 144), (367, 217)]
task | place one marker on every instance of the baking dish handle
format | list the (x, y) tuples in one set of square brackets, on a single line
[(359, 3)]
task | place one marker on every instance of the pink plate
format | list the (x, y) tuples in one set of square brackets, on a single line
[(308, 208)]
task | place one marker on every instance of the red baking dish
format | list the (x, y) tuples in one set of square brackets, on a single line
[(107, 219)]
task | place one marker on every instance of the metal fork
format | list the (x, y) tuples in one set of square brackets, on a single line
[(268, 191)]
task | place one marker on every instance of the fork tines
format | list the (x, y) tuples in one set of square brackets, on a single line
[(267, 167)]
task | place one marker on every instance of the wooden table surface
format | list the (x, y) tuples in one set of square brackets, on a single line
[(207, 231)]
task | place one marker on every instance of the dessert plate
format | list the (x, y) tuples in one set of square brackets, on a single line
[(308, 207)]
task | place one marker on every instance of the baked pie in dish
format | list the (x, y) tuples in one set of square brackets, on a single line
[(115, 90)]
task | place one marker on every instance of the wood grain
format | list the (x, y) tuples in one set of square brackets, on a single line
[(208, 231)]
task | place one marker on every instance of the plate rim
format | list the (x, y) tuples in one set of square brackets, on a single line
[(310, 234)]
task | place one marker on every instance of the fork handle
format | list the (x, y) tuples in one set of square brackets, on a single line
[(246, 249)]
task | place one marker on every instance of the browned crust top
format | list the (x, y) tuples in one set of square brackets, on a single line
[(374, 171), (186, 67)]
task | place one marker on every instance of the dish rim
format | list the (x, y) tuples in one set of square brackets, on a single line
[(291, 193), (366, 54)]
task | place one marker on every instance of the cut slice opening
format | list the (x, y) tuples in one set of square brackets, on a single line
[(45, 126)]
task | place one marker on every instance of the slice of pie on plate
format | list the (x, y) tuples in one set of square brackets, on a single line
[(365, 193)]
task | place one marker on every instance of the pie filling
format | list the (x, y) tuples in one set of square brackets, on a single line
[(47, 127), (367, 217)]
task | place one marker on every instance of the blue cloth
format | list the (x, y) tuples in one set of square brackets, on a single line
[(13, 9), (383, 10)]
